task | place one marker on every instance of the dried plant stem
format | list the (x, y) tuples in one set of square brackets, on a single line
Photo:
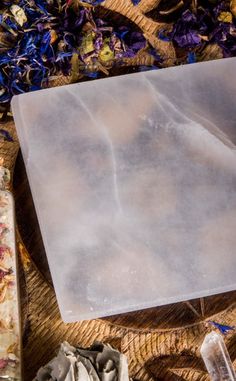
[(192, 309)]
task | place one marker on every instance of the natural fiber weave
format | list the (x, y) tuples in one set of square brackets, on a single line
[(153, 353), (170, 354)]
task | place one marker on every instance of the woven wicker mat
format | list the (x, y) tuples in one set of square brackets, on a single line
[(160, 343)]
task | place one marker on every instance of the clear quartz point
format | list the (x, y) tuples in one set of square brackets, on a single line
[(216, 358)]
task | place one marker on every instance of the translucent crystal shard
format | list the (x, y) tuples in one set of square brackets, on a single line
[(216, 358)]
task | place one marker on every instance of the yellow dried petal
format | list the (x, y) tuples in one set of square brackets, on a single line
[(87, 45), (9, 278), (3, 200), (19, 14), (3, 268), (53, 36), (75, 67), (225, 17), (106, 54), (204, 38), (13, 348), (3, 325)]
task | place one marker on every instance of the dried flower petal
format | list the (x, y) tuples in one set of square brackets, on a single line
[(13, 348), (3, 203), (106, 54), (9, 323), (221, 327), (225, 17), (42, 47), (3, 230), (4, 134), (211, 24), (3, 363), (5, 250), (19, 14), (53, 35)]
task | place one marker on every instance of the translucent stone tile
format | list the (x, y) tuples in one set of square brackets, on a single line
[(134, 180)]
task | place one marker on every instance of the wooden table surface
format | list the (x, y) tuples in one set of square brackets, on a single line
[(161, 343)]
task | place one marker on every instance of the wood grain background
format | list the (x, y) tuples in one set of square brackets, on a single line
[(161, 343)]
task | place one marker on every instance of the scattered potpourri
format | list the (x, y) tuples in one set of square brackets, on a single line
[(9, 307), (40, 39), (201, 24)]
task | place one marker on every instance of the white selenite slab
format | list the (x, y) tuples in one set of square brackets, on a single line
[(134, 181)]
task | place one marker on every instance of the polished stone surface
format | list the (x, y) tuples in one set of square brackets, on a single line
[(134, 180)]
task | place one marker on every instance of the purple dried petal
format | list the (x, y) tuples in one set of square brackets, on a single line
[(188, 17), (35, 56), (80, 18), (128, 54), (93, 2), (100, 22), (187, 40), (98, 43), (136, 46), (6, 136)]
